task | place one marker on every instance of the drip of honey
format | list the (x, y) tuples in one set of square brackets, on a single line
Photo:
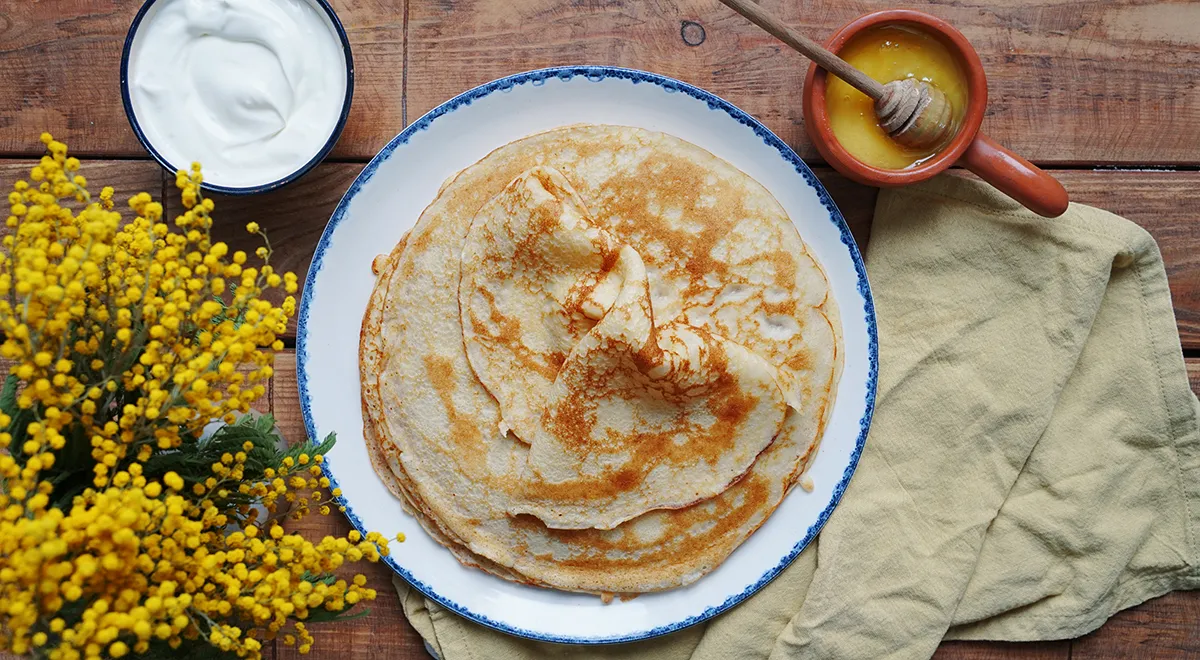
[(886, 53)]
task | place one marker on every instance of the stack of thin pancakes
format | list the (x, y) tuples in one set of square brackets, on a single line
[(598, 362)]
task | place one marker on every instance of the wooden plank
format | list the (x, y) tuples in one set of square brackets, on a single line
[(285, 398), (127, 177), (384, 632), (1003, 651), (1164, 628), (376, 29), (295, 216), (855, 201), (60, 69), (1069, 82), (1193, 369)]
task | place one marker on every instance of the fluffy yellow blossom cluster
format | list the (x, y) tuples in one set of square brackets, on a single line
[(139, 564), (123, 529), (98, 313)]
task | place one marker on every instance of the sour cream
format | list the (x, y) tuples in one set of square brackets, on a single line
[(252, 89)]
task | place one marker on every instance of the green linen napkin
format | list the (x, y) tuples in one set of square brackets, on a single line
[(1033, 466)]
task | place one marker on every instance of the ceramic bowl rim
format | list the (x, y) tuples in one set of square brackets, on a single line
[(334, 135)]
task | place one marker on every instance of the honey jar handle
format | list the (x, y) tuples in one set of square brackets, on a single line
[(1016, 177)]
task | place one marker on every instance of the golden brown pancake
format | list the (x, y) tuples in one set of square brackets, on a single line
[(623, 415), (721, 260)]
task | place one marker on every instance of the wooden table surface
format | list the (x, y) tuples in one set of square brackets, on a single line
[(1107, 94)]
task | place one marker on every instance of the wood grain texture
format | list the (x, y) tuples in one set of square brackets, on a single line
[(1003, 651), (376, 29), (383, 633), (1162, 628), (127, 177), (1166, 628), (60, 68), (1069, 82)]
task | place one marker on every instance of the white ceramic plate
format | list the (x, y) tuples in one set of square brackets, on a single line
[(385, 201)]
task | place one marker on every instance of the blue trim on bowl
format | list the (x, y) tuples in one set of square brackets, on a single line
[(251, 190), (595, 74)]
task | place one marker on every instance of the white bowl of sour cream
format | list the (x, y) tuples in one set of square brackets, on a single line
[(256, 91)]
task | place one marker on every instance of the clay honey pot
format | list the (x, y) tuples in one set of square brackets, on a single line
[(1003, 169)]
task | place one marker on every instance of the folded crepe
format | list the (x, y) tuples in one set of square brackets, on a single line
[(598, 362), (623, 414)]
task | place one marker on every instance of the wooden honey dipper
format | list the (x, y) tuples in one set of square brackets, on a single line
[(913, 113)]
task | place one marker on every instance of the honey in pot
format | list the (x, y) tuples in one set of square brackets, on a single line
[(886, 53)]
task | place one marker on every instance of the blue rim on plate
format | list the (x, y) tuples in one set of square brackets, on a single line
[(249, 190), (596, 74)]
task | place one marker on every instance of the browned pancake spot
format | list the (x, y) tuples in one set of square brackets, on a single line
[(507, 332), (464, 430), (574, 419)]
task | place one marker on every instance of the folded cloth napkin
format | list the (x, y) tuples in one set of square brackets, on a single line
[(1033, 466)]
